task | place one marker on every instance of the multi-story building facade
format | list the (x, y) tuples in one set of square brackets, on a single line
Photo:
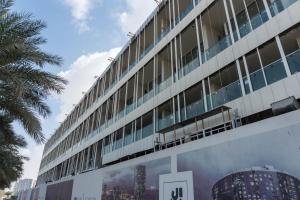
[(195, 68)]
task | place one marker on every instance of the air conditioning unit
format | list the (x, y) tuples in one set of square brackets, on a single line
[(285, 105)]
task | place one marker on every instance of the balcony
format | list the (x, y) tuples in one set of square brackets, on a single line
[(259, 19), (130, 108), (184, 13), (275, 72), (195, 109), (226, 94), (218, 47), (163, 33), (257, 80), (163, 85), (165, 122), (148, 95), (293, 60), (147, 130), (278, 6)]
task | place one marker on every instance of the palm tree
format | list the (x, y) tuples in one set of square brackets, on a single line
[(11, 161), (24, 85)]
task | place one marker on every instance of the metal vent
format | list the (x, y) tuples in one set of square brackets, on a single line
[(285, 105)]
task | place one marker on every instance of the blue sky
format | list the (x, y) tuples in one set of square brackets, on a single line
[(85, 33)]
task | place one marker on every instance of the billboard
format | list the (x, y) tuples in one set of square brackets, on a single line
[(59, 191), (263, 166), (139, 182)]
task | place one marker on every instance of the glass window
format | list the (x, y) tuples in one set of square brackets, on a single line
[(276, 6), (194, 101), (130, 98), (255, 71), (133, 48), (189, 49), (129, 133), (216, 36), (147, 122), (165, 116), (138, 133), (241, 17), (106, 145), (163, 21), (124, 63), (148, 81), (118, 139), (257, 12), (272, 62), (182, 8), (139, 86), (163, 69), (290, 41), (225, 85), (244, 76)]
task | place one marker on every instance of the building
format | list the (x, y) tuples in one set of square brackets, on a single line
[(194, 71), (257, 183), (22, 185)]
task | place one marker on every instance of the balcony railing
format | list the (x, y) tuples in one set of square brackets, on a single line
[(278, 6), (257, 80), (244, 29), (226, 94), (147, 130), (259, 19), (218, 47), (165, 122), (117, 144), (128, 139), (275, 71), (130, 108), (163, 33), (163, 85), (148, 95), (193, 64), (194, 109), (293, 60), (146, 51), (186, 11), (138, 135)]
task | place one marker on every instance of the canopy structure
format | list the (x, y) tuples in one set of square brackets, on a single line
[(221, 109)]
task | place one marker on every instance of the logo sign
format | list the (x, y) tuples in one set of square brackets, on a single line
[(177, 186)]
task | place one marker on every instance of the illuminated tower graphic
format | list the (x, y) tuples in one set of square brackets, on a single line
[(257, 183), (139, 182)]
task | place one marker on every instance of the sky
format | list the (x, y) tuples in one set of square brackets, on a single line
[(85, 33)]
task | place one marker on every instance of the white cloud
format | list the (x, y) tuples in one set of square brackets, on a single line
[(81, 77), (137, 12), (80, 10)]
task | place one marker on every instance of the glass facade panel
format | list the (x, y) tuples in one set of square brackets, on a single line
[(257, 12), (272, 62), (165, 116), (129, 134), (194, 101), (147, 124), (225, 85), (163, 69), (118, 139), (255, 70), (290, 41), (276, 6), (216, 34)]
